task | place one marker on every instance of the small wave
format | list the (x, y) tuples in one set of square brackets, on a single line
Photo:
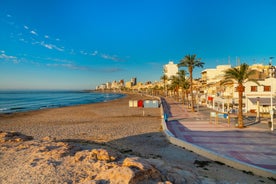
[(20, 102), (17, 108), (3, 109)]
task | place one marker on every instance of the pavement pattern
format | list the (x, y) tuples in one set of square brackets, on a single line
[(254, 145)]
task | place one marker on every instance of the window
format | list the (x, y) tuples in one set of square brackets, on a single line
[(267, 88), (253, 88)]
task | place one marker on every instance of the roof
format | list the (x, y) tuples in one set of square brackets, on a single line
[(263, 101)]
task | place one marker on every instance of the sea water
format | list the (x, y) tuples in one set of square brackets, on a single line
[(22, 101)]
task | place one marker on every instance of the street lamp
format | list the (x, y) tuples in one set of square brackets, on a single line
[(258, 110), (271, 75)]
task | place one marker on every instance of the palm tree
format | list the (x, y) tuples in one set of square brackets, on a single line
[(190, 61), (183, 83), (175, 84), (241, 75), (165, 79)]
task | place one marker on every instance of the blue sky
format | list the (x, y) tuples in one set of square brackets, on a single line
[(66, 44)]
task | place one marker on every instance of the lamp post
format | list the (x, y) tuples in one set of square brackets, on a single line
[(272, 75), (258, 110)]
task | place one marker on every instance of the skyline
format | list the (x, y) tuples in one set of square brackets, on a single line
[(79, 45)]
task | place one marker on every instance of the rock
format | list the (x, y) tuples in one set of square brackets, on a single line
[(102, 154), (49, 138), (143, 170), (81, 155), (137, 162), (13, 137), (122, 175), (176, 178)]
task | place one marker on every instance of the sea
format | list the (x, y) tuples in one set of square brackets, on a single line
[(23, 101)]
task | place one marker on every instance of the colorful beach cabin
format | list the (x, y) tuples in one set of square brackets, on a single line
[(151, 104)]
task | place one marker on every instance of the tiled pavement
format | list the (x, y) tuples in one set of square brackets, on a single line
[(254, 145)]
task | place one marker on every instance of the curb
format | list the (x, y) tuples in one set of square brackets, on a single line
[(213, 155)]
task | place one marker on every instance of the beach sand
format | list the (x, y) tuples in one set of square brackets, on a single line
[(132, 132)]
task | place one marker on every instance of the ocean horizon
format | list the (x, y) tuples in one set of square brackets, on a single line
[(12, 101)]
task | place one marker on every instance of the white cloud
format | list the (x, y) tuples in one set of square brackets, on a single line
[(58, 48), (23, 40), (51, 46), (8, 58), (111, 70), (26, 27), (4, 56), (46, 36), (72, 51), (94, 53), (35, 43), (59, 60), (69, 66), (109, 57), (83, 52), (33, 32)]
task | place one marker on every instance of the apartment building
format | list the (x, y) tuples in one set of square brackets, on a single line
[(170, 69), (263, 92), (225, 98)]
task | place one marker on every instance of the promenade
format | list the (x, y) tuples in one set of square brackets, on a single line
[(252, 148)]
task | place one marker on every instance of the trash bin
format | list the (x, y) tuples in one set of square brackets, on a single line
[(140, 103)]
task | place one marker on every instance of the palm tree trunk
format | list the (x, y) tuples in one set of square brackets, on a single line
[(183, 96), (191, 82), (240, 114)]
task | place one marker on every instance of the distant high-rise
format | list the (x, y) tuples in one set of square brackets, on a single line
[(133, 81), (170, 69)]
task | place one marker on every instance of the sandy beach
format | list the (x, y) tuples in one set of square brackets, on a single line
[(113, 126)]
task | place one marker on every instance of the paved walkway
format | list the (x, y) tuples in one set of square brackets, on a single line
[(254, 145)]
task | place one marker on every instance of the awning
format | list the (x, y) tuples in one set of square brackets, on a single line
[(263, 101)]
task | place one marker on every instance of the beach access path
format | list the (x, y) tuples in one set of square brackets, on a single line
[(253, 146)]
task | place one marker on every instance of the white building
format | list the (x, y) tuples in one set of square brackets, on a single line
[(170, 69), (263, 92), (114, 85), (214, 75), (101, 87), (108, 85)]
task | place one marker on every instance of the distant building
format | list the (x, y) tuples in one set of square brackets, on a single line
[(134, 81), (108, 85), (261, 71), (122, 83), (114, 85), (128, 84), (213, 75), (101, 87), (170, 69), (147, 82)]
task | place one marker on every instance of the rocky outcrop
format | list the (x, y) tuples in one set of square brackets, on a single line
[(13, 137), (133, 170), (52, 161)]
